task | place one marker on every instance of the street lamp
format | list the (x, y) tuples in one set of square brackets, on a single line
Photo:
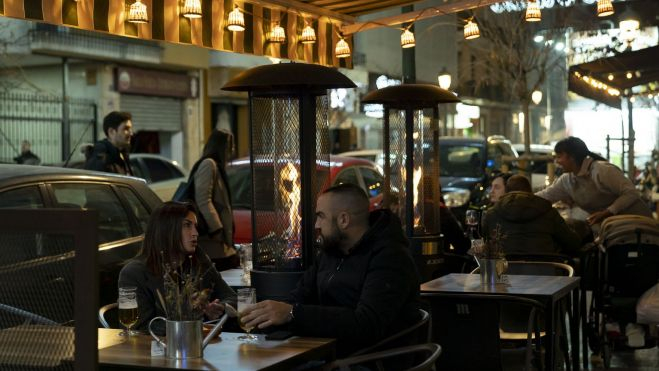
[(536, 97), (444, 79)]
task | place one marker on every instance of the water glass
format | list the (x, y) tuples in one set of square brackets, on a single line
[(128, 309), (246, 299)]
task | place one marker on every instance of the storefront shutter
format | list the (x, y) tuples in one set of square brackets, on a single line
[(154, 113)]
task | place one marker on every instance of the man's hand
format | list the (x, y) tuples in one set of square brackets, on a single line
[(267, 313), (214, 309), (598, 216)]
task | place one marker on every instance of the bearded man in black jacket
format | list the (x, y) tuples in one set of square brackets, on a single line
[(363, 286)]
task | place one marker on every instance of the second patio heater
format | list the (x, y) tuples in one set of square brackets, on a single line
[(411, 164), (289, 162)]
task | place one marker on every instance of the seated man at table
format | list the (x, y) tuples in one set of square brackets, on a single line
[(529, 223), (363, 285)]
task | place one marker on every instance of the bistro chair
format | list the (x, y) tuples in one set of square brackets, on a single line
[(25, 316), (512, 329), (412, 331), (108, 314), (467, 327), (431, 352)]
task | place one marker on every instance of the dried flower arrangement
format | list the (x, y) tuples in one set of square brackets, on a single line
[(184, 298), (492, 248)]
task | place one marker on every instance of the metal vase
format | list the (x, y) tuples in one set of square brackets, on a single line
[(492, 270), (183, 338)]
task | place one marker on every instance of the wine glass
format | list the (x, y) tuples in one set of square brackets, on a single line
[(471, 218), (246, 299), (128, 310)]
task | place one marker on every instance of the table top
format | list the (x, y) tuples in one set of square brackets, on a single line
[(235, 278), (544, 286), (225, 353)]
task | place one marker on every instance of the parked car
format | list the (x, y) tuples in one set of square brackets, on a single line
[(161, 174), (464, 166), (341, 170), (124, 205), (538, 168), (373, 155)]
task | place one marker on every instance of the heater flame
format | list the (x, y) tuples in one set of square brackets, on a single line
[(291, 192), (416, 179)]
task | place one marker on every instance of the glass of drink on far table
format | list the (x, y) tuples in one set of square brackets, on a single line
[(246, 298), (128, 310)]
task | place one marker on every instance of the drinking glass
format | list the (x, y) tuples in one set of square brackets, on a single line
[(128, 310), (471, 218), (246, 299)]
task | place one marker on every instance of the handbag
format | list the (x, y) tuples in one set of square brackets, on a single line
[(185, 193)]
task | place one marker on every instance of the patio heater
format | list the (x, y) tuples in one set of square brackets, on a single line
[(411, 165), (289, 162)]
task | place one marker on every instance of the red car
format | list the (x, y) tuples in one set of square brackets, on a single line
[(361, 172)]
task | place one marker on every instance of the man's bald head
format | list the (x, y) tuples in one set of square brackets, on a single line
[(351, 199)]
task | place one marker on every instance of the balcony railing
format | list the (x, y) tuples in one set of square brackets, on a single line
[(71, 42)]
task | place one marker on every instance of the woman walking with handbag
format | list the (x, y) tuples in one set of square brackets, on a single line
[(213, 199)]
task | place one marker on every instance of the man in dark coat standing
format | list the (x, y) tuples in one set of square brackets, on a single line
[(363, 286), (530, 224), (111, 154)]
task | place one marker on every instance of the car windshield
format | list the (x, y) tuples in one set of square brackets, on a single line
[(461, 160)]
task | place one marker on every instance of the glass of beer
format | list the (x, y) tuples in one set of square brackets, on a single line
[(128, 311), (246, 298)]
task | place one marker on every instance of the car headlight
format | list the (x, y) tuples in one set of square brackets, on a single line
[(456, 198)]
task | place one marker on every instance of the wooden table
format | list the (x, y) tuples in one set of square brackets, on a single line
[(234, 278), (225, 353), (547, 289)]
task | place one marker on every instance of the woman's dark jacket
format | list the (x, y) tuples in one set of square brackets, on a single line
[(530, 226), (361, 297), (137, 274)]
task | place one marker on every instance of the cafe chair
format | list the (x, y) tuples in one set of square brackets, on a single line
[(25, 316), (422, 324), (108, 314), (431, 352), (467, 327)]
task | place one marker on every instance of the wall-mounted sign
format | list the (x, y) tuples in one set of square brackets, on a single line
[(157, 83)]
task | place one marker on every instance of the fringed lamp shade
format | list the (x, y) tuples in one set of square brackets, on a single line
[(192, 9), (137, 13), (604, 8), (277, 35), (236, 21), (471, 30), (308, 35), (533, 11), (407, 39), (342, 49)]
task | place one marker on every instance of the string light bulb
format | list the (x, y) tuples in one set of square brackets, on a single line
[(471, 30), (407, 39), (342, 49), (236, 20), (308, 35), (137, 13), (604, 8), (277, 35), (533, 11), (192, 9)]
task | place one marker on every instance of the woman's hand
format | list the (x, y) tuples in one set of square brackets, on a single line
[(598, 216), (214, 309)]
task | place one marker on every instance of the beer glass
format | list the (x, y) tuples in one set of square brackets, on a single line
[(246, 299), (128, 310)]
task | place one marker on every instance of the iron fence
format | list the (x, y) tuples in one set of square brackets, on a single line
[(38, 119)]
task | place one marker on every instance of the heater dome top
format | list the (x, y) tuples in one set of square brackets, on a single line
[(288, 77), (411, 96)]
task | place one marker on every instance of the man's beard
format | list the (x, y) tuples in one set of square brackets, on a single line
[(332, 242)]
